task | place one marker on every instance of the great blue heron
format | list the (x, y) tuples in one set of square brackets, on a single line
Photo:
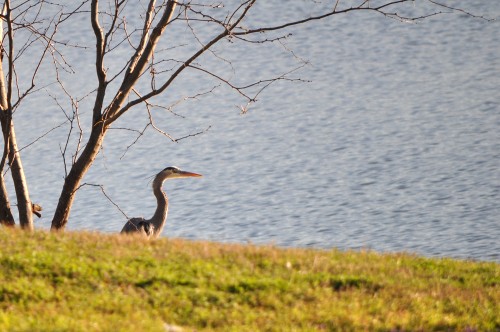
[(153, 227)]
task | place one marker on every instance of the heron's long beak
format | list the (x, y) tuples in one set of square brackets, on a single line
[(189, 174)]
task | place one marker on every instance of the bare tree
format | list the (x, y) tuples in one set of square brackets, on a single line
[(10, 143), (21, 16), (146, 73)]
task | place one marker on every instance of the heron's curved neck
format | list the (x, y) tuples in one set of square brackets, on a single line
[(160, 216)]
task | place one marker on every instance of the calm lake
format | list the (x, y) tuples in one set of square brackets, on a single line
[(393, 145)]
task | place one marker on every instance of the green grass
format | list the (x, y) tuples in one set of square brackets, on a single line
[(94, 282)]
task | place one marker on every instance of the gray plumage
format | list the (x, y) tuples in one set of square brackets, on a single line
[(152, 228)]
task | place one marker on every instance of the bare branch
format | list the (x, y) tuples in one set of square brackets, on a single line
[(113, 23), (152, 124), (144, 38), (140, 134), (186, 63), (140, 60), (265, 82), (10, 35), (244, 109), (101, 73), (192, 135), (382, 9), (42, 136), (105, 195), (262, 41), (455, 9), (6, 88)]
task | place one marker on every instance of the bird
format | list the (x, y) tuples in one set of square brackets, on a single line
[(36, 208), (152, 228)]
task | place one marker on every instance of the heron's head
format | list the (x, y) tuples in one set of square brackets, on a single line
[(173, 172)]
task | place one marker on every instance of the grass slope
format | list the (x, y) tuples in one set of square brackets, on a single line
[(95, 282)]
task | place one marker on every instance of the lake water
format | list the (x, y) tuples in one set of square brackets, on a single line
[(393, 145)]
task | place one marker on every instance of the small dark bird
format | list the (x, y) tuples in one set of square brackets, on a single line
[(35, 208)]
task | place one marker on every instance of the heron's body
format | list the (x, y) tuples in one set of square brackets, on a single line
[(153, 227)]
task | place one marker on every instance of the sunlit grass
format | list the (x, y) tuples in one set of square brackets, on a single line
[(95, 282)]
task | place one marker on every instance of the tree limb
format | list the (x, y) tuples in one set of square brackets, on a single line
[(186, 63)]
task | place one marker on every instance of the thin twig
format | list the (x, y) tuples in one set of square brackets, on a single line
[(105, 195)]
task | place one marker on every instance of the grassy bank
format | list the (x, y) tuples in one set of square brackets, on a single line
[(93, 282)]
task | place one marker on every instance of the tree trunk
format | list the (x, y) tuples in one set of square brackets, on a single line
[(11, 151), (23, 197), (6, 217), (76, 174)]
